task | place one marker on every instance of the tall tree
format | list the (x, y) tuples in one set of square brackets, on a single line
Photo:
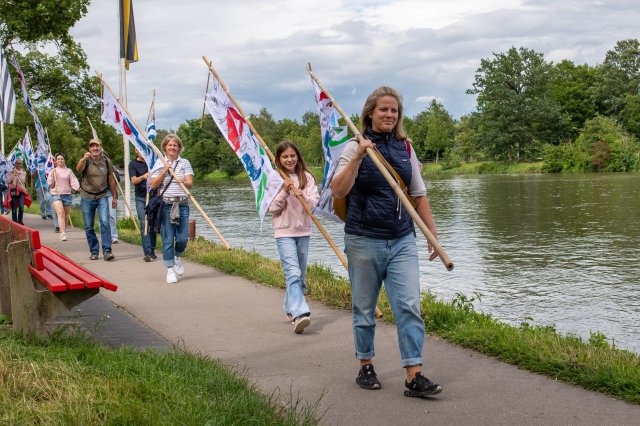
[(572, 88), (618, 76), (517, 113)]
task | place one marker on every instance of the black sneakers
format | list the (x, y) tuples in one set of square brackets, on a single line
[(367, 378), (421, 387)]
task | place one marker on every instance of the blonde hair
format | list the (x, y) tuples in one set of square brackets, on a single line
[(370, 105), (172, 137)]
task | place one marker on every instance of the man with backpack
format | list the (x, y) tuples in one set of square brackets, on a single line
[(96, 184)]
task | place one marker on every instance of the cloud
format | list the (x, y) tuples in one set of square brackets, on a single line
[(427, 50)]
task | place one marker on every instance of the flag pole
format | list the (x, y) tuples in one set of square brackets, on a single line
[(206, 90), (125, 142), (164, 161), (394, 185)]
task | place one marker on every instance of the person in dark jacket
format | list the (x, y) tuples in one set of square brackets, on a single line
[(380, 238), (139, 173)]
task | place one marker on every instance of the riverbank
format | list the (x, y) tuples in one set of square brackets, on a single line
[(592, 364)]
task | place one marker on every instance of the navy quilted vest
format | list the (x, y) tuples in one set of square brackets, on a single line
[(374, 209)]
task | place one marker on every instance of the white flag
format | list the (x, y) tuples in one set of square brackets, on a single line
[(334, 139), (114, 115), (7, 95), (265, 179)]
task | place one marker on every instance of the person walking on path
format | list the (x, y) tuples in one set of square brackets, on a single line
[(18, 195), (139, 172), (292, 230), (96, 182), (39, 176), (380, 239), (174, 223), (62, 181)]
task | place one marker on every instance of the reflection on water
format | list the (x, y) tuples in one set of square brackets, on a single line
[(561, 250)]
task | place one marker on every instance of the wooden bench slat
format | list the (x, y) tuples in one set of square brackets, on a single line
[(89, 279), (53, 283), (72, 282)]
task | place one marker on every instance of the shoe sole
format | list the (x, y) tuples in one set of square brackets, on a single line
[(373, 387), (301, 325), (424, 394)]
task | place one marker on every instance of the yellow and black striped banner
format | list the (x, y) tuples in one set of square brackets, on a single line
[(128, 42)]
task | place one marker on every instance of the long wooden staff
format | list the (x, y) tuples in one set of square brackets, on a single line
[(282, 173), (206, 90), (126, 203), (394, 185), (164, 161)]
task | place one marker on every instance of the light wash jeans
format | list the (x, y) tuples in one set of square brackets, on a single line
[(149, 240), (112, 219), (174, 237), (293, 256), (372, 261), (45, 202), (89, 208)]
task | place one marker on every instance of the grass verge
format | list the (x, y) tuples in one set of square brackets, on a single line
[(594, 364), (66, 379)]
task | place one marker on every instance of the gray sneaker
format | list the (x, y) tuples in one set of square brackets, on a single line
[(300, 323), (108, 256)]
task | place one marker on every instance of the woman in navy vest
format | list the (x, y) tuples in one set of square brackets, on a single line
[(380, 238)]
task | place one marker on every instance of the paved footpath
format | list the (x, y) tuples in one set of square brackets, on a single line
[(241, 324)]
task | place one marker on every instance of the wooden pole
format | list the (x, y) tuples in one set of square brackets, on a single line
[(282, 173), (126, 203), (206, 89), (164, 161), (394, 185)]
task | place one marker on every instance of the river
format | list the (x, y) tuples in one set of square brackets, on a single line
[(551, 250)]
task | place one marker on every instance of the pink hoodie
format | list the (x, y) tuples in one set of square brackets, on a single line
[(289, 217), (61, 180)]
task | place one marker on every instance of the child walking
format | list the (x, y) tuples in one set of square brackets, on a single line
[(292, 229)]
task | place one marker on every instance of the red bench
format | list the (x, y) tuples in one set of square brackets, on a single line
[(37, 282)]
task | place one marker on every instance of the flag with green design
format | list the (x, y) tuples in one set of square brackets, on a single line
[(265, 179), (334, 139)]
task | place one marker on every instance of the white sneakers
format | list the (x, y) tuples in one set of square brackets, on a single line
[(300, 323), (175, 271), (178, 266), (171, 276), (63, 237)]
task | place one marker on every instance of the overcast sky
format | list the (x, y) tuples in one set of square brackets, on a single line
[(425, 48)]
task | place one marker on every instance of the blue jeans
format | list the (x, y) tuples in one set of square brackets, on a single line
[(293, 256), (372, 261), (149, 240), (45, 202), (89, 208), (174, 236), (17, 206)]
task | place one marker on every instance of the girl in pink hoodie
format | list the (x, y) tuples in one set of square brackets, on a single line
[(292, 229), (61, 183)]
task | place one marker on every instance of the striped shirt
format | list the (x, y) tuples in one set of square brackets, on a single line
[(182, 169)]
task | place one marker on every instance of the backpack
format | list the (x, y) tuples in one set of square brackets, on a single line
[(340, 204)]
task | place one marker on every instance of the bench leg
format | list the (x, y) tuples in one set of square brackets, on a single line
[(32, 304), (5, 291)]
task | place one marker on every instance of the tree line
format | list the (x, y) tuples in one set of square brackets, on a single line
[(572, 117)]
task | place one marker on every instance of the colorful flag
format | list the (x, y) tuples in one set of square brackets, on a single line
[(16, 152), (5, 167), (151, 126), (265, 179), (114, 114), (334, 138), (23, 84), (29, 157), (7, 95), (49, 165), (128, 42)]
